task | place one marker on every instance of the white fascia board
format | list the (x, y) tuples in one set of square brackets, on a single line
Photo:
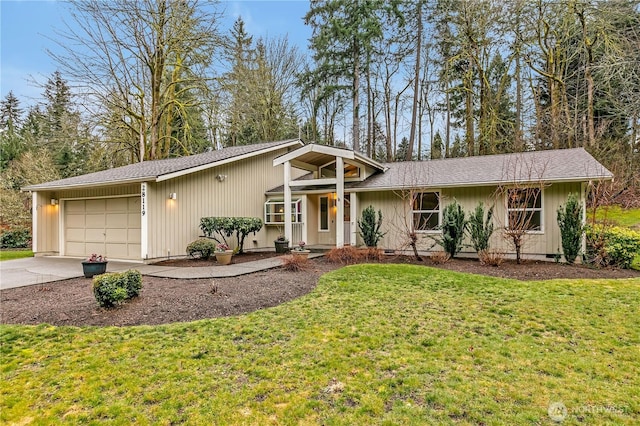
[(227, 161), (87, 185), (320, 149), (307, 182)]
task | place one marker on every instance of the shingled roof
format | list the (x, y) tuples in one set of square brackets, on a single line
[(155, 170), (565, 165)]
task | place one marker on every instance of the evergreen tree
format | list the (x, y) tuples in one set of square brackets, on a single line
[(11, 141)]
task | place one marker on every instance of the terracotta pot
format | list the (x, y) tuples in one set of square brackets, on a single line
[(224, 257), (93, 268), (301, 253)]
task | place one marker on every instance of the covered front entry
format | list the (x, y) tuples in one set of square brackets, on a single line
[(107, 226), (333, 172)]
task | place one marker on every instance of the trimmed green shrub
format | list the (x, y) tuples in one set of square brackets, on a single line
[(370, 227), (201, 248), (133, 281), (221, 228), (115, 287), (480, 229), (612, 246), (16, 238), (571, 228), (453, 227)]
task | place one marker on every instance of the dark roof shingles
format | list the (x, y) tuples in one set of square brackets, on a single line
[(153, 169)]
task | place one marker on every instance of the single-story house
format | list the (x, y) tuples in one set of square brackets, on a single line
[(314, 193)]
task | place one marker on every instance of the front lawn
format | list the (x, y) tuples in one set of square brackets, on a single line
[(14, 254), (383, 344)]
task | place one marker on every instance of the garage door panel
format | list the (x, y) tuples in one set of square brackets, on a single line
[(134, 251), (117, 220), (75, 221), (108, 226), (91, 248), (75, 249), (75, 235), (94, 235), (133, 236), (133, 220), (95, 206), (74, 206), (95, 220), (117, 251), (117, 205), (116, 236)]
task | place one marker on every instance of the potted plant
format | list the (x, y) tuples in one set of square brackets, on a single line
[(223, 254), (300, 250), (282, 244), (96, 264)]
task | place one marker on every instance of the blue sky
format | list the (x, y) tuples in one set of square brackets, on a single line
[(26, 27)]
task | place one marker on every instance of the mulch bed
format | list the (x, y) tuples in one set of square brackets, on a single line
[(165, 300)]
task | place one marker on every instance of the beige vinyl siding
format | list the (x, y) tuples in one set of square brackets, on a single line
[(397, 217), (103, 191), (47, 218), (173, 224)]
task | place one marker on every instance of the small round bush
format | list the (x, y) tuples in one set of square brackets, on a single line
[(201, 248)]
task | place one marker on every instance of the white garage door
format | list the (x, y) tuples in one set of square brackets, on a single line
[(107, 226)]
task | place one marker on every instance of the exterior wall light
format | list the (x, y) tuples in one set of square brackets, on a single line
[(173, 196), (221, 178), (54, 201)]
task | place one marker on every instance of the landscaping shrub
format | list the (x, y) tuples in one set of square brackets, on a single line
[(16, 238), (370, 227), (612, 246), (480, 229), (295, 263), (491, 257), (201, 248), (133, 282), (372, 254), (220, 228), (453, 227), (571, 228), (347, 255), (439, 257), (113, 288)]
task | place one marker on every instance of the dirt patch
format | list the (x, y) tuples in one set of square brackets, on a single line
[(237, 258), (165, 300)]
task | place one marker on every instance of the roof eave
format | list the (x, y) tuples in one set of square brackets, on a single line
[(36, 188), (226, 161)]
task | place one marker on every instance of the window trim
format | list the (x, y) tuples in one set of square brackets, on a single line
[(438, 193), (296, 210), (328, 198), (530, 209)]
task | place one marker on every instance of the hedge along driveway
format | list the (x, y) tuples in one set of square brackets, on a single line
[(372, 344)]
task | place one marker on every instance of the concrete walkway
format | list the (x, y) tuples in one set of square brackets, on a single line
[(40, 270)]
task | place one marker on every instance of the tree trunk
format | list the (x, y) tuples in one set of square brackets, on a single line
[(356, 98), (416, 87)]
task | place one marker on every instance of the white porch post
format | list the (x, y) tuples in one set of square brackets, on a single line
[(144, 221), (305, 236), (34, 222), (340, 202), (288, 229), (354, 218)]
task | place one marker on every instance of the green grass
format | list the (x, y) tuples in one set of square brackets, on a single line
[(616, 215), (381, 344), (14, 254)]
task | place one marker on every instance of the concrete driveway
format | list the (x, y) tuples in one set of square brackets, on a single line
[(40, 270)]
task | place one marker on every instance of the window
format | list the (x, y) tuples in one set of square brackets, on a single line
[(524, 209), (426, 211), (274, 212), (324, 213)]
